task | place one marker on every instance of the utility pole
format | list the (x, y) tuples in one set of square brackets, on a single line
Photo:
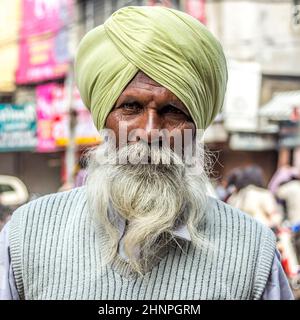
[(70, 155), (89, 15)]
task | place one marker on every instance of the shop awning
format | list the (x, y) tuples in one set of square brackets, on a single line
[(283, 106)]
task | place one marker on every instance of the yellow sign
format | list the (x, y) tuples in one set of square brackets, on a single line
[(81, 141), (9, 30)]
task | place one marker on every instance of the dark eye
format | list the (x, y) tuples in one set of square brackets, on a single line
[(171, 109), (131, 107)]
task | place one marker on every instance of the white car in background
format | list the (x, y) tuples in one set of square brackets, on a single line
[(13, 191)]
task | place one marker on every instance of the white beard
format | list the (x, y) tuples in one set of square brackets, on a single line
[(153, 198)]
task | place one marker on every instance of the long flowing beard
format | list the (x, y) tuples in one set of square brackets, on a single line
[(152, 198)]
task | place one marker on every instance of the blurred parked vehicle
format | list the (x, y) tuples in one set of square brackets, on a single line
[(13, 191)]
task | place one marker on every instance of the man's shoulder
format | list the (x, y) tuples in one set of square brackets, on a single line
[(244, 240), (58, 197), (234, 220), (50, 204)]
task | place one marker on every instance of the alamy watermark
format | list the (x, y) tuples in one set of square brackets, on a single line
[(175, 147)]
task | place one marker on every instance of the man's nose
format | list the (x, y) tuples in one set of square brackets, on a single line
[(151, 126)]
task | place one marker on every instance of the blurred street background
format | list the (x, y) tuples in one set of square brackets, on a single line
[(255, 141)]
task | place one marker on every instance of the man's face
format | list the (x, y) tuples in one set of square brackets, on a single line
[(146, 107), (152, 197)]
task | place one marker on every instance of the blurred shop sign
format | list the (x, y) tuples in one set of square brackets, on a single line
[(283, 106), (44, 40), (242, 97), (9, 27), (50, 109), (252, 141), (54, 119), (196, 8), (17, 127), (85, 130)]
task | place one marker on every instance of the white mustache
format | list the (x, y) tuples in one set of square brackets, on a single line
[(141, 153)]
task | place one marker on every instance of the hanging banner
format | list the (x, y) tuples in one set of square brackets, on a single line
[(9, 28), (44, 40), (196, 8), (48, 115), (251, 141), (17, 127), (242, 96), (54, 119), (85, 131)]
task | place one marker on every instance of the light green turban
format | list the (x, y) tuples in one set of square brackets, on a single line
[(171, 47)]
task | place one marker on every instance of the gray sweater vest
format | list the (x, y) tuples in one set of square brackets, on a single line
[(56, 253)]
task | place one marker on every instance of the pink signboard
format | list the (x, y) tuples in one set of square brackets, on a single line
[(47, 115), (196, 8), (44, 40), (53, 127)]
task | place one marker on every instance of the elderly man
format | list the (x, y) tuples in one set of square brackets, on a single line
[(143, 227)]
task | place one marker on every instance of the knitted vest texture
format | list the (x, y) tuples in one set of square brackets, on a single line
[(56, 253)]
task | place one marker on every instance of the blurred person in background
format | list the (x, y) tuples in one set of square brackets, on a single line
[(289, 192), (5, 215), (251, 197), (230, 183), (283, 174), (81, 174), (143, 230)]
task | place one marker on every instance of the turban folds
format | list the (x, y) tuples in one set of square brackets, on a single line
[(171, 47)]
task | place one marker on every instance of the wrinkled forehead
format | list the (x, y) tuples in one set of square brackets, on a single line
[(142, 78)]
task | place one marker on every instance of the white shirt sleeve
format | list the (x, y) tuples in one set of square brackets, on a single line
[(277, 287), (8, 290)]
